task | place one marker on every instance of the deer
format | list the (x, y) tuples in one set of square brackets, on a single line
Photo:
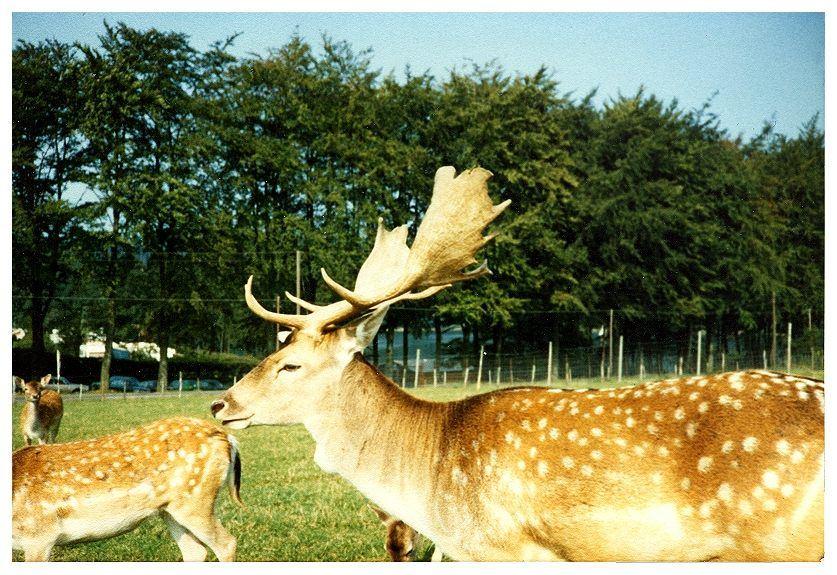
[(727, 467), (401, 539), (41, 415), (95, 489)]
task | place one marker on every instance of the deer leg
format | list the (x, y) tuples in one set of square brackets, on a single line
[(208, 530), (190, 548), (38, 551)]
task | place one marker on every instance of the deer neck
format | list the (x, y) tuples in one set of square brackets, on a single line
[(381, 439)]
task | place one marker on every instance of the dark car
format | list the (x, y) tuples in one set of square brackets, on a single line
[(65, 385), (149, 385), (211, 385), (188, 385), (123, 383)]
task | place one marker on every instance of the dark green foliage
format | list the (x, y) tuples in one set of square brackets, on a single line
[(206, 168)]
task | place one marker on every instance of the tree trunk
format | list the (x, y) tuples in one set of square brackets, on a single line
[(773, 322), (437, 328), (110, 327), (466, 334), (163, 343), (390, 341), (405, 335)]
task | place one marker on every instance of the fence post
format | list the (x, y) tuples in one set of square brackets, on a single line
[(434, 377), (58, 368), (533, 374), (764, 357), (403, 376), (723, 362), (567, 376), (621, 339), (498, 374), (479, 367), (511, 372), (444, 377), (680, 365), (700, 337), (418, 367), (790, 330), (549, 365), (180, 385), (465, 379)]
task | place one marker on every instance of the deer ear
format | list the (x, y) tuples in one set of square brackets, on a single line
[(45, 379), (382, 515), (366, 327)]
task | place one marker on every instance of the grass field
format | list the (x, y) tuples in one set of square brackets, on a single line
[(294, 511)]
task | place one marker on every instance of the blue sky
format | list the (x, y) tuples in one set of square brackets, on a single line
[(762, 66)]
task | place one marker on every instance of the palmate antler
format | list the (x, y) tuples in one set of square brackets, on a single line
[(445, 244)]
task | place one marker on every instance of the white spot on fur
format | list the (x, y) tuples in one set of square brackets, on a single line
[(679, 413), (725, 493), (572, 435), (685, 483), (691, 429), (727, 447), (586, 470), (596, 432), (568, 462), (542, 423), (749, 444), (599, 410), (662, 451), (769, 479), (782, 447), (542, 468), (797, 456), (787, 490), (630, 422), (745, 507), (597, 455), (704, 463)]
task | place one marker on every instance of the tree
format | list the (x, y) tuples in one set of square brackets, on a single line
[(47, 157)]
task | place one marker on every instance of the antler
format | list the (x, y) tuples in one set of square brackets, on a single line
[(445, 244)]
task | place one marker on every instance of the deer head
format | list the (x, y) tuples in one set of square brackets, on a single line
[(32, 389), (284, 387)]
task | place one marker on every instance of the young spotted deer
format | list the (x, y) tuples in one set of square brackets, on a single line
[(401, 539), (728, 467), (96, 489), (41, 415)]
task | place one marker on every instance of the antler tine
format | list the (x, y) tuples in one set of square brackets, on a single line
[(302, 303), (446, 241), (289, 320)]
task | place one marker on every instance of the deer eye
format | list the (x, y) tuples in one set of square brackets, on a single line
[(289, 367)]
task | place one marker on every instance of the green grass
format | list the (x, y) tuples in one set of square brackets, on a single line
[(294, 511)]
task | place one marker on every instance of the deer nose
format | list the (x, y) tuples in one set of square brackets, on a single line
[(217, 406)]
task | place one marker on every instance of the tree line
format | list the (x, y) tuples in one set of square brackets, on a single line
[(200, 168)]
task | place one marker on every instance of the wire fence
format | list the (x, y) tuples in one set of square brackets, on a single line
[(580, 367)]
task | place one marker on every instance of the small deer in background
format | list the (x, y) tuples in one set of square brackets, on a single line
[(401, 539), (41, 416), (96, 489)]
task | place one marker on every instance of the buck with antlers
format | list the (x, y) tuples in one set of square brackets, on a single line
[(91, 490), (728, 467), (41, 416)]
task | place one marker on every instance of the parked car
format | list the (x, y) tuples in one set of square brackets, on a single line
[(94, 385), (188, 385), (211, 385), (148, 385), (123, 383), (66, 385)]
